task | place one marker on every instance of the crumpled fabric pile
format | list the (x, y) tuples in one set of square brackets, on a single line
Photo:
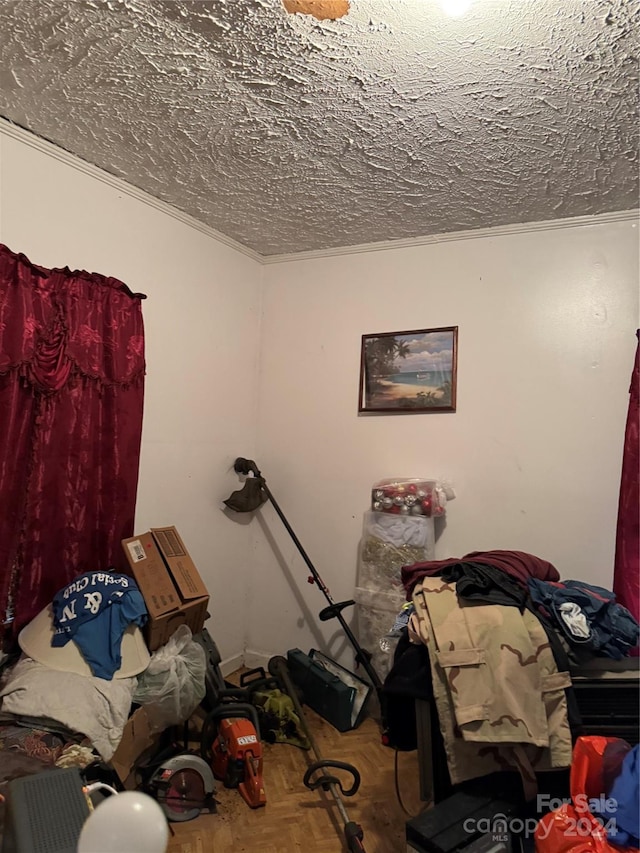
[(588, 615)]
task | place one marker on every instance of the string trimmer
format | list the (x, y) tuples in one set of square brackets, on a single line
[(253, 494), (316, 775)]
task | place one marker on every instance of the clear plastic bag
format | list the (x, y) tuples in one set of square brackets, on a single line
[(406, 496), (173, 685)]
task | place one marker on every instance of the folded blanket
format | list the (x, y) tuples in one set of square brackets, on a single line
[(517, 564), (91, 706)]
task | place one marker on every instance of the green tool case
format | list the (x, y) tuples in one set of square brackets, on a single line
[(329, 689)]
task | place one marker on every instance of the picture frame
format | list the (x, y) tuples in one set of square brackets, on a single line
[(409, 372)]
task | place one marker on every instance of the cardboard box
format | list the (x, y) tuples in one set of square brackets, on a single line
[(170, 584), (136, 739)]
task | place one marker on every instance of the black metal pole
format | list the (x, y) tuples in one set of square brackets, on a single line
[(316, 577), (246, 466)]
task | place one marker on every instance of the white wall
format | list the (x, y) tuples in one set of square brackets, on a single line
[(547, 324), (202, 319), (546, 342)]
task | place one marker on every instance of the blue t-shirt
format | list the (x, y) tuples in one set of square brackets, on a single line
[(95, 610)]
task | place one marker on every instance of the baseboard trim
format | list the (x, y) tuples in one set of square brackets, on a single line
[(254, 659), (232, 664), (250, 659)]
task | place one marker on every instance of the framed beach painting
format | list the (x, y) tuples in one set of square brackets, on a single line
[(409, 371)]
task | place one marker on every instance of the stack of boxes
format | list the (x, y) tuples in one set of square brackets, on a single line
[(175, 595), (170, 584)]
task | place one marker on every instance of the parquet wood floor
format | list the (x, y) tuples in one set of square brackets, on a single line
[(296, 819)]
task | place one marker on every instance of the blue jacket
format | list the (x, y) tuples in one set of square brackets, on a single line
[(611, 630)]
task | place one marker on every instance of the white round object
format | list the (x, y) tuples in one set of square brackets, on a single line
[(127, 821)]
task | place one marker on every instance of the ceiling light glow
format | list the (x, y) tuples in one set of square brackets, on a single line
[(455, 8)]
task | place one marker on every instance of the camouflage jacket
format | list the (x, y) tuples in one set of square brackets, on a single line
[(500, 698)]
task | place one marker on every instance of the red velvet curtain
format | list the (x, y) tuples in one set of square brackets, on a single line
[(71, 397), (626, 573)]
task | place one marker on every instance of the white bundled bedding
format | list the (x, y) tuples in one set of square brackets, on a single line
[(91, 706)]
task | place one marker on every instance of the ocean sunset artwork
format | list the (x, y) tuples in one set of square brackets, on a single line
[(412, 371)]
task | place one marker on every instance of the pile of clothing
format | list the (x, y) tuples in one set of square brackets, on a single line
[(588, 615), (587, 618), (85, 664), (503, 635), (81, 656)]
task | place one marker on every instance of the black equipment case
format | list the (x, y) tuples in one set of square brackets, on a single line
[(329, 689)]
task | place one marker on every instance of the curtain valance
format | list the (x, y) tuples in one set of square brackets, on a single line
[(57, 324)]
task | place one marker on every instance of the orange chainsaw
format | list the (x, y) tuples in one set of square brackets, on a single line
[(230, 742)]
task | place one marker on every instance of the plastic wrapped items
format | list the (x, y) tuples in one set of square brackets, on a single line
[(398, 531), (390, 542), (377, 614), (410, 497)]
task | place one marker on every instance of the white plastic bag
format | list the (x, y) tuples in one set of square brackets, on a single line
[(173, 685)]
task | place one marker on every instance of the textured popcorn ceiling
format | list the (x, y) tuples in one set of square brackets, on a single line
[(289, 134)]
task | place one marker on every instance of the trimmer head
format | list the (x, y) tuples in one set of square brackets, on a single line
[(249, 498), (252, 495)]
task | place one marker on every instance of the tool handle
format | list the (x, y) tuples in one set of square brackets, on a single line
[(324, 780), (232, 710), (257, 679), (245, 466), (354, 835), (227, 711), (332, 610), (251, 675)]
